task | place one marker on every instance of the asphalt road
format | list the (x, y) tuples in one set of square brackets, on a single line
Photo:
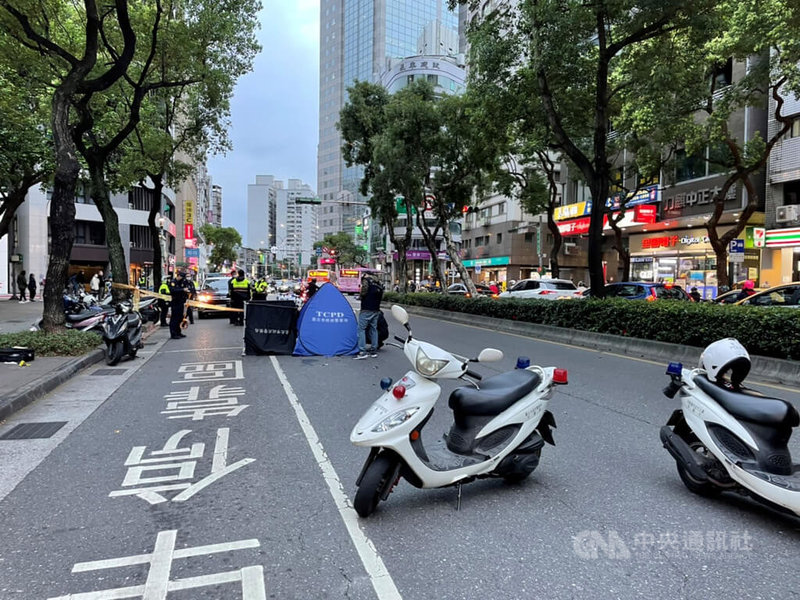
[(243, 497)]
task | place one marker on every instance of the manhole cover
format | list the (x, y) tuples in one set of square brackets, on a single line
[(102, 372), (32, 431)]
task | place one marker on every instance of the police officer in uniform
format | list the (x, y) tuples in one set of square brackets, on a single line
[(180, 291), (260, 290), (162, 304), (142, 281), (240, 293)]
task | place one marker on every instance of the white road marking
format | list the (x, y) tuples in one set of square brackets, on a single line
[(382, 581), (202, 349)]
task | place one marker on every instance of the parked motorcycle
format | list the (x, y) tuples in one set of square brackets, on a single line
[(122, 333), (727, 437), (149, 310), (499, 427)]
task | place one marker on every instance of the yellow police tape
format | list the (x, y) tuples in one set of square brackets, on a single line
[(139, 292)]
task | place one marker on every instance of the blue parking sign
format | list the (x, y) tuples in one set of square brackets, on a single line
[(737, 246)]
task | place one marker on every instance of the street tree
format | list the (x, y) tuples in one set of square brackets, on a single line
[(574, 50), (26, 154), (190, 47), (226, 242), (68, 41), (341, 246), (756, 39)]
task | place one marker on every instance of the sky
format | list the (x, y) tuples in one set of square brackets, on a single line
[(274, 111)]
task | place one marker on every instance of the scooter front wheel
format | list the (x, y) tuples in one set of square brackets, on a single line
[(113, 353), (373, 483)]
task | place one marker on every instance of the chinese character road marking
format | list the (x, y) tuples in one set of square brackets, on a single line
[(158, 583), (220, 402), (214, 371), (175, 459)]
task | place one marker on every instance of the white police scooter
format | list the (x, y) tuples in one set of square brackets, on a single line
[(728, 437), (498, 430)]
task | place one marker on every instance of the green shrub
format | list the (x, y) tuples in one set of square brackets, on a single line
[(763, 331), (63, 343)]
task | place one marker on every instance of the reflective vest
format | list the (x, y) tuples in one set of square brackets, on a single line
[(241, 285), (261, 287), (142, 281), (164, 288)]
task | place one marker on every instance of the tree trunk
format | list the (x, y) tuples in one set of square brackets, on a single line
[(101, 198), (430, 242), (456, 260), (13, 200), (155, 228), (62, 210), (557, 241)]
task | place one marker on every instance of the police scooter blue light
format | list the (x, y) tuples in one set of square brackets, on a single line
[(499, 424)]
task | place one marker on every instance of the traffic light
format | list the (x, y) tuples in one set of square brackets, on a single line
[(469, 209)]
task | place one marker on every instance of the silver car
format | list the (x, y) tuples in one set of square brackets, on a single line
[(543, 289)]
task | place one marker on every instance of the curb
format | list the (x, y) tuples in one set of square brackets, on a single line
[(49, 381), (776, 370)]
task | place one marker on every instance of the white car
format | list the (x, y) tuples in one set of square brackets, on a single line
[(544, 289)]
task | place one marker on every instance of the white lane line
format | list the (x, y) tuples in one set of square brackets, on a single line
[(381, 580), (202, 349)]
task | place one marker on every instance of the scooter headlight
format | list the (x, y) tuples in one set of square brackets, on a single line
[(395, 419), (428, 366)]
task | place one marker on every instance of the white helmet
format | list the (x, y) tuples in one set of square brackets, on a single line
[(723, 356)]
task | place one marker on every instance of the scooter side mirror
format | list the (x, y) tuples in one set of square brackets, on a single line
[(400, 314), (490, 355)]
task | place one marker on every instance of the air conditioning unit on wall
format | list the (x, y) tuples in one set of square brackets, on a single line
[(787, 214)]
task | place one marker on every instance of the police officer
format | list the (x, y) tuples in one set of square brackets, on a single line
[(180, 291), (162, 304), (260, 289), (240, 293), (142, 281), (192, 290)]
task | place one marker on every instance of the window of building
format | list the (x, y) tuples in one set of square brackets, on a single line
[(722, 75), (688, 166), (433, 79), (90, 233), (529, 237), (499, 238), (794, 131)]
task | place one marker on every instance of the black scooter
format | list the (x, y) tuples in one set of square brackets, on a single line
[(122, 333)]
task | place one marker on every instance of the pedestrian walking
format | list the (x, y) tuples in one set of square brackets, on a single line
[(22, 286), (96, 284), (80, 280), (180, 290), (371, 295), (32, 288)]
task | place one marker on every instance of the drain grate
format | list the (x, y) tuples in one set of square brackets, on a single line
[(32, 431), (101, 372)]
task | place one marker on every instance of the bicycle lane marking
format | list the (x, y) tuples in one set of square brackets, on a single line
[(381, 579)]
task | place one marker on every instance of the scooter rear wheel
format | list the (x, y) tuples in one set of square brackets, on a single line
[(373, 484), (701, 488)]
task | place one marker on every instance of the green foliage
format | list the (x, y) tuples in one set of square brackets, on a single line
[(64, 343), (344, 249), (771, 332), (226, 242)]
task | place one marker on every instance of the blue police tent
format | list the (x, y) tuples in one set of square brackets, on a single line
[(327, 325)]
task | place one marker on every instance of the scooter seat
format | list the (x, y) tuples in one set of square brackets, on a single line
[(750, 405), (82, 316), (495, 395)]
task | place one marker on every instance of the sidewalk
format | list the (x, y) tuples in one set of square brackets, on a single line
[(23, 385), (18, 317)]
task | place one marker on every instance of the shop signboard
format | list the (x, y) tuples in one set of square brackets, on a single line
[(571, 211), (640, 215), (188, 231), (782, 238), (690, 240), (495, 261), (683, 200), (188, 212), (192, 253), (646, 195), (419, 255)]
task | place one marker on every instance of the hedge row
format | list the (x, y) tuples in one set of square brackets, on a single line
[(763, 331), (64, 343)]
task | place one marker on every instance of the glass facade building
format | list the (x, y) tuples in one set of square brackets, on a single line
[(356, 39)]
